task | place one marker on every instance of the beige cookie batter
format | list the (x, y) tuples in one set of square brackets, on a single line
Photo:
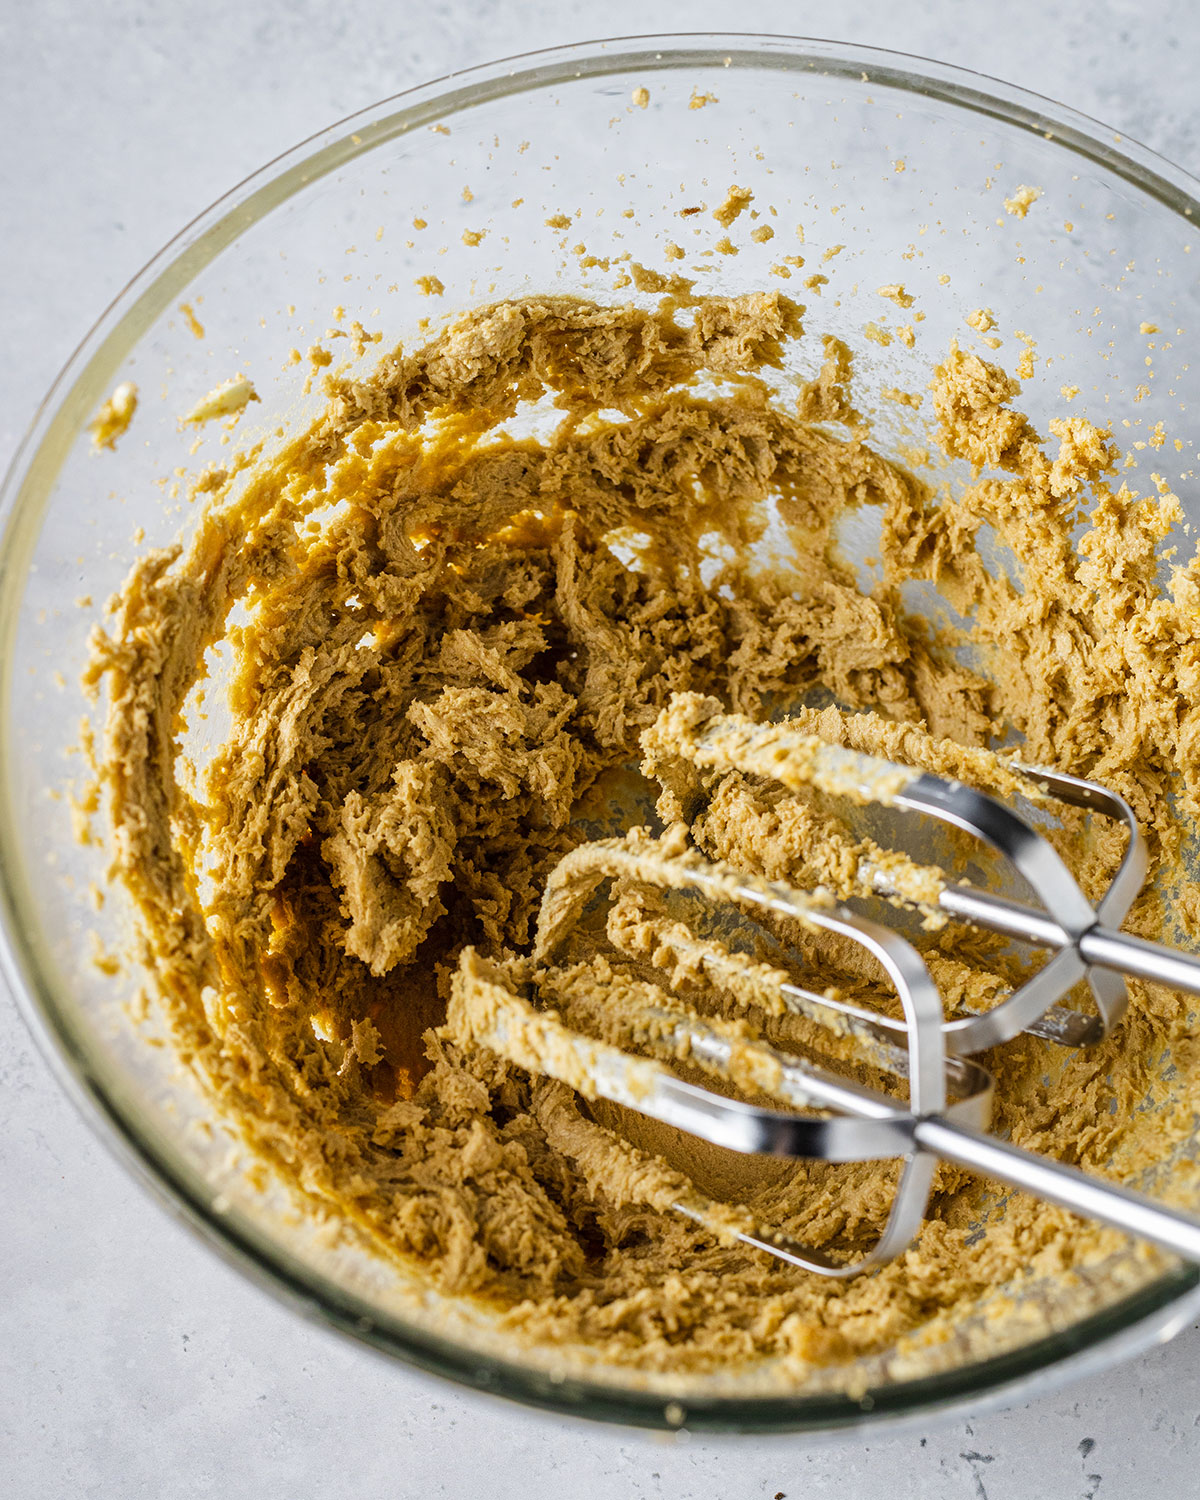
[(440, 665)]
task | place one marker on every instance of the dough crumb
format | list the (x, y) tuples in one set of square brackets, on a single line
[(194, 325), (224, 400), (894, 292), (112, 420), (736, 201), (1022, 201)]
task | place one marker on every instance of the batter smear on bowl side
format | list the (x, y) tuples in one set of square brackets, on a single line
[(441, 644)]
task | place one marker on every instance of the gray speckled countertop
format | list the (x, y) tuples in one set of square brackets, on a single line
[(134, 1363)]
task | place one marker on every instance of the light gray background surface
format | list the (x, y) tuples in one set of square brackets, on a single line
[(132, 1362)]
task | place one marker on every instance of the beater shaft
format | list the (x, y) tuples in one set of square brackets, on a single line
[(1106, 1202), (1103, 946)]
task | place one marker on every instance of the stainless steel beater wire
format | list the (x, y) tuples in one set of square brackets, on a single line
[(903, 965)]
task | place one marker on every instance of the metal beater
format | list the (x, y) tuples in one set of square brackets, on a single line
[(942, 1099)]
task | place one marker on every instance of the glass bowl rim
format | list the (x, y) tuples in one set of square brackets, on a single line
[(1152, 1313)]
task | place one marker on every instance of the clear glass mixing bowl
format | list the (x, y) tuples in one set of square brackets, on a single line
[(904, 164)]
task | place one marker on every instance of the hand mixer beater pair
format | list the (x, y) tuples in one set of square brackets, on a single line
[(935, 1102)]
